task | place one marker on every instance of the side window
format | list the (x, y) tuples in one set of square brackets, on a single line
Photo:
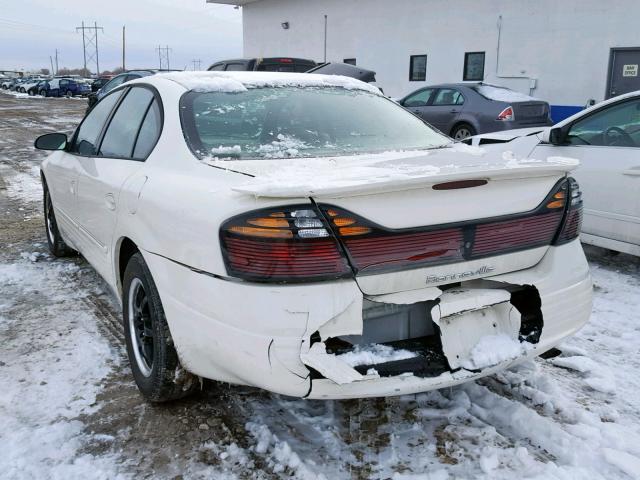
[(419, 99), (218, 67), (91, 126), (350, 61), (149, 132), (417, 68), (124, 126), (615, 126), (473, 66), (236, 67), (448, 96), (63, 83), (113, 83)]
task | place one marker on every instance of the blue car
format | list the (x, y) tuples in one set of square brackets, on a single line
[(59, 87)]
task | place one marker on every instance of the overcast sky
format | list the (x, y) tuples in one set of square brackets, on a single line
[(31, 30)]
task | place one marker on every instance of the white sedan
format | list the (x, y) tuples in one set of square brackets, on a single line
[(606, 140), (306, 235)]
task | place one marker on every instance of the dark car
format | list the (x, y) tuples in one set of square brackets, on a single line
[(346, 70), (34, 89), (98, 83), (114, 82), (63, 87), (273, 64), (462, 110)]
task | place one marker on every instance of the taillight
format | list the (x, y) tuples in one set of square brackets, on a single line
[(288, 244), (573, 218), (506, 114)]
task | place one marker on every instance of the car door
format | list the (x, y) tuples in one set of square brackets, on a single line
[(119, 157), (418, 101), (63, 169), (54, 87), (445, 108), (607, 143)]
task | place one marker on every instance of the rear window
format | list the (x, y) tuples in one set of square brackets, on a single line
[(299, 122)]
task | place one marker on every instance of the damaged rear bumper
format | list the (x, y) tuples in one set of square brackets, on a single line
[(277, 337)]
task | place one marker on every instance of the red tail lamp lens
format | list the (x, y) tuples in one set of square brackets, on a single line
[(290, 244)]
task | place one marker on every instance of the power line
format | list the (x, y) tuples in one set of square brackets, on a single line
[(196, 62), (89, 39), (163, 56)]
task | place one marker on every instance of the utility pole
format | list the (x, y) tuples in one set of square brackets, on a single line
[(56, 62), (84, 47), (163, 56), (123, 43), (196, 62), (89, 39), (325, 39), (51, 60)]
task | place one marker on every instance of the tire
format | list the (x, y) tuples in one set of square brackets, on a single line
[(68, 94), (462, 131), (57, 246), (43, 93), (31, 93), (152, 356)]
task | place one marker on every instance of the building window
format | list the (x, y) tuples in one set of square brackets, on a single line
[(417, 68), (350, 61), (473, 66)]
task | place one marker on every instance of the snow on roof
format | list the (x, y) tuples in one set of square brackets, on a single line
[(241, 81), (501, 94)]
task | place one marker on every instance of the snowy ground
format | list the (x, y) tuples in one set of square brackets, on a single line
[(69, 409)]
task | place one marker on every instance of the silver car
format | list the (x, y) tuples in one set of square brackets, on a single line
[(461, 110)]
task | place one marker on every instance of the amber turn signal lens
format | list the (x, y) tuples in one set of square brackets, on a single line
[(261, 232), (556, 204), (269, 222), (332, 213), (349, 231), (559, 195), (343, 222), (277, 214)]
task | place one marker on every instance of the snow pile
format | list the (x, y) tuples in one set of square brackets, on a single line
[(280, 457), (373, 354), (222, 151), (230, 82), (501, 94), (494, 349), (284, 145)]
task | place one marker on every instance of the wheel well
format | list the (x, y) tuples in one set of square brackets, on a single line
[(126, 251)]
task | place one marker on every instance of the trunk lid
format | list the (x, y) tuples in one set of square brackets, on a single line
[(434, 217)]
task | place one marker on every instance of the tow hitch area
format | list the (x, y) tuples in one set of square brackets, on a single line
[(470, 325)]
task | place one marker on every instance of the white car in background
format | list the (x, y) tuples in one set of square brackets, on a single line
[(306, 235), (606, 140)]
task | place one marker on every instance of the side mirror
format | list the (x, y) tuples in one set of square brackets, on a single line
[(51, 141), (555, 136)]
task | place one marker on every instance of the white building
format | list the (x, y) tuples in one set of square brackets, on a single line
[(564, 51)]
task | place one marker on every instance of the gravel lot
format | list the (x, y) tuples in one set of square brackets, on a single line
[(69, 408)]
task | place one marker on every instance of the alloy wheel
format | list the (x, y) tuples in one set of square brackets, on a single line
[(141, 326)]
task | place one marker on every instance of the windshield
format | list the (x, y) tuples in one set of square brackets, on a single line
[(289, 122)]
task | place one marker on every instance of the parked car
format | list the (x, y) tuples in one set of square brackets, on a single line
[(27, 85), (63, 87), (273, 64), (287, 231), (98, 83), (114, 82), (461, 110), (606, 140), (7, 82)]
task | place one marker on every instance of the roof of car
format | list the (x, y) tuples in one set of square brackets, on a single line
[(240, 81)]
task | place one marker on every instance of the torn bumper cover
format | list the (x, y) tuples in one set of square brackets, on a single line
[(315, 340)]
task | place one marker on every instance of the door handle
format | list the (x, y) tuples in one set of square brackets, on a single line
[(110, 201), (632, 172), (453, 110)]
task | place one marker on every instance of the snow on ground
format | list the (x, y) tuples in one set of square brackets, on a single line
[(68, 408), (51, 363)]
